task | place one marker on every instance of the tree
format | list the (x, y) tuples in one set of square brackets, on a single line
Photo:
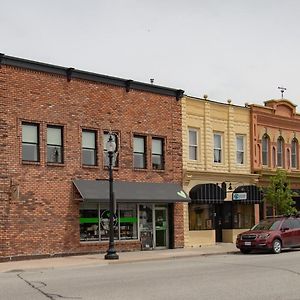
[(279, 194)]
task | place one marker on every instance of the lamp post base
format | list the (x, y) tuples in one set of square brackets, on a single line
[(111, 254)]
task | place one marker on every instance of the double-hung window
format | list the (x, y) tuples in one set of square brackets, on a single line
[(193, 144), (139, 152), (280, 143), (115, 161), (157, 153), (89, 148), (294, 153), (240, 149), (217, 147), (54, 144), (265, 141), (30, 142)]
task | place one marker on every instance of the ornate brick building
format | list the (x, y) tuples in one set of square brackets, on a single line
[(54, 124), (275, 135)]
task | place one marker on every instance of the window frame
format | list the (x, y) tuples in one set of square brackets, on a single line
[(161, 156), (61, 147), (195, 147), (143, 154), (220, 152), (294, 153), (95, 149), (265, 143), (240, 151), (280, 152), (37, 144)]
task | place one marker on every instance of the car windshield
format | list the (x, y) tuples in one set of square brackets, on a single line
[(267, 225)]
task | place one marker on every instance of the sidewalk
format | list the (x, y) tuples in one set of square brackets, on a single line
[(124, 257)]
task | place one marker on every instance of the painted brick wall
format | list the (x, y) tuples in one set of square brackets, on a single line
[(38, 213)]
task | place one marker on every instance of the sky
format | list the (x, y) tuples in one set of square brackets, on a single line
[(241, 50)]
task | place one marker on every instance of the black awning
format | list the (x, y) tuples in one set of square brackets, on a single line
[(247, 194), (207, 193), (98, 191)]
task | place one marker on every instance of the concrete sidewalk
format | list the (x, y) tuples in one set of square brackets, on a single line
[(124, 257)]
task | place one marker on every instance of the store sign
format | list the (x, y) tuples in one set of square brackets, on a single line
[(239, 196)]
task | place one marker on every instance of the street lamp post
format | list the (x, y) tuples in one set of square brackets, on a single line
[(111, 252)]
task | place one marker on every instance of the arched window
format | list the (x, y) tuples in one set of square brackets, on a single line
[(265, 141), (273, 158), (280, 143), (294, 154)]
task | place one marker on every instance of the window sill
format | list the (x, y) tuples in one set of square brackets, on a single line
[(49, 164), (90, 166), (106, 241), (159, 170), (34, 163), (140, 170)]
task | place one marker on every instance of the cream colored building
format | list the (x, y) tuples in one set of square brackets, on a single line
[(217, 171)]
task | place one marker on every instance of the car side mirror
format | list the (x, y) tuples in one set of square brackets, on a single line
[(285, 229)]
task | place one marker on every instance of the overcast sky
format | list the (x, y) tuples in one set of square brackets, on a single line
[(228, 49)]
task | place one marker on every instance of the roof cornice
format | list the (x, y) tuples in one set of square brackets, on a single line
[(71, 73)]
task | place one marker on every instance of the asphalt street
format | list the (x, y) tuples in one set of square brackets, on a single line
[(232, 276)]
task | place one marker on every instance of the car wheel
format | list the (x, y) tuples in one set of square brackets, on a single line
[(276, 246), (245, 251)]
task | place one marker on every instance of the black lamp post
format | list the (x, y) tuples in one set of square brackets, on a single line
[(111, 252)]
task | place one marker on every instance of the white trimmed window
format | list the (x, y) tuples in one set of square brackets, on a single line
[(54, 144), (193, 144), (240, 149), (30, 142), (217, 148)]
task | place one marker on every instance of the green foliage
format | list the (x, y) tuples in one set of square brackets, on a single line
[(279, 194)]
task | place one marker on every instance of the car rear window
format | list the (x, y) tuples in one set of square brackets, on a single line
[(267, 225)]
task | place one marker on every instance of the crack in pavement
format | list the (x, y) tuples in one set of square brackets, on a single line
[(43, 284)]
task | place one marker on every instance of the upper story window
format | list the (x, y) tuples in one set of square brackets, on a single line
[(89, 149), (193, 144), (280, 144), (157, 153), (54, 144), (139, 152), (115, 161), (217, 147), (240, 149), (265, 141), (30, 142), (294, 154)]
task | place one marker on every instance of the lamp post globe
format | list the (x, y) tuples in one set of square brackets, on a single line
[(111, 148)]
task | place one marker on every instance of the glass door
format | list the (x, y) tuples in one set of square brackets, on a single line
[(161, 227), (146, 226)]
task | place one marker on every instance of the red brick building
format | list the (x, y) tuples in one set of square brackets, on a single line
[(54, 124)]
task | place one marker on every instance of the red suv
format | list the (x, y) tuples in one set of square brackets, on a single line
[(271, 234)]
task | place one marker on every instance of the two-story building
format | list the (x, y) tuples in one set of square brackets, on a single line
[(275, 134), (217, 171), (54, 124)]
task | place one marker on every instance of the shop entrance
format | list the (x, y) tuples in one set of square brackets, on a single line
[(153, 226), (161, 227)]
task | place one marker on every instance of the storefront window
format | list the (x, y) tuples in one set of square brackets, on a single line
[(128, 221), (104, 223), (201, 216), (243, 215), (89, 223)]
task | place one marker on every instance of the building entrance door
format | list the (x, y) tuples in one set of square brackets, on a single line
[(153, 226), (161, 227), (218, 222)]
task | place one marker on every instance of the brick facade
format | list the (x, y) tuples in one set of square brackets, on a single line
[(38, 213)]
